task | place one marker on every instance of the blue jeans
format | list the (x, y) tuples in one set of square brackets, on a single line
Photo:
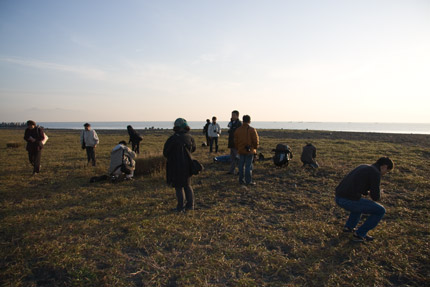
[(245, 160), (357, 207)]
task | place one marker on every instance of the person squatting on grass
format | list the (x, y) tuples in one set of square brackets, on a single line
[(177, 150), (122, 161), (214, 131), (233, 125), (89, 141), (358, 182), (246, 141), (34, 137), (309, 154)]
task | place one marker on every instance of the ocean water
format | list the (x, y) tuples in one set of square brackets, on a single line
[(402, 128)]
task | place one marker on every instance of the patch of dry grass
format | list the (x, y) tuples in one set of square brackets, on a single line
[(59, 230)]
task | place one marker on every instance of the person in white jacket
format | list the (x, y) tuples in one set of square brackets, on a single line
[(214, 132), (122, 161), (89, 141)]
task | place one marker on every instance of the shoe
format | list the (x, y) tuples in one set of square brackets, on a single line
[(348, 229), (252, 183), (241, 182), (368, 238), (357, 238)]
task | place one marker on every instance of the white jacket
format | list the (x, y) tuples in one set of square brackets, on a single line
[(214, 130), (90, 137)]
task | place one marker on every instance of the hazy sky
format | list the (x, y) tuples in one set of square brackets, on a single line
[(353, 61)]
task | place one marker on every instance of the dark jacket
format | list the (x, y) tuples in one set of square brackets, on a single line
[(36, 133), (206, 128), (178, 167), (233, 127), (360, 181), (309, 154), (135, 137)]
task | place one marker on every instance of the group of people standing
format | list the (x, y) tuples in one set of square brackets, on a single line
[(243, 141)]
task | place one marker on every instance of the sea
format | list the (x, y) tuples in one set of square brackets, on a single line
[(398, 128)]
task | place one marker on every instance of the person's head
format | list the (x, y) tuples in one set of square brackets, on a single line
[(214, 119), (122, 143), (181, 125), (385, 164), (31, 124), (129, 128), (208, 120), (87, 126), (246, 119), (234, 115)]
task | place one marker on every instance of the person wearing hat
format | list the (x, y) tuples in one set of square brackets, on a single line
[(89, 141), (177, 150), (34, 137)]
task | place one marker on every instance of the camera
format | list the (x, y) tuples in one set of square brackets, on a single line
[(248, 148)]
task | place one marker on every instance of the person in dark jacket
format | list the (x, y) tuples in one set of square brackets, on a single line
[(135, 139), (363, 180), (177, 150), (205, 131), (309, 154), (233, 125), (34, 136)]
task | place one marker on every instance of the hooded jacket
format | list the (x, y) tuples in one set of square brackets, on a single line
[(120, 155)]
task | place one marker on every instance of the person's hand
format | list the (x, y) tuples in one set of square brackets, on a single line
[(31, 139)]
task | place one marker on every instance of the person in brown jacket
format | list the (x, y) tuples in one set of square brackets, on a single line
[(246, 141)]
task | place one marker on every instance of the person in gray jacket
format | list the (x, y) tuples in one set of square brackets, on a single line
[(122, 161), (89, 141)]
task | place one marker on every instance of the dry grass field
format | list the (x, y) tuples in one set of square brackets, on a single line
[(58, 229)]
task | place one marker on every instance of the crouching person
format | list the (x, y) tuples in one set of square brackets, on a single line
[(122, 161), (358, 182), (309, 154), (177, 150)]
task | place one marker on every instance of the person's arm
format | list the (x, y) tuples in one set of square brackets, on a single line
[(236, 139), (40, 134), (255, 139), (96, 138), (314, 153), (218, 129), (375, 192), (167, 146), (193, 145), (26, 136)]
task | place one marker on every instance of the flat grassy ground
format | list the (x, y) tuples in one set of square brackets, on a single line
[(57, 229)]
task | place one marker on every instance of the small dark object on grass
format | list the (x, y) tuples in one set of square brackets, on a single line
[(99, 178), (150, 165), (13, 145)]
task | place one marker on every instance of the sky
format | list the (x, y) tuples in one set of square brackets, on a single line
[(323, 61)]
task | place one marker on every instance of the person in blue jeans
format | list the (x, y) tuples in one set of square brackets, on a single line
[(363, 180)]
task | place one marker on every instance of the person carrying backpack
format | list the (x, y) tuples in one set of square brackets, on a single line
[(135, 139), (122, 161), (177, 150), (34, 136), (246, 141)]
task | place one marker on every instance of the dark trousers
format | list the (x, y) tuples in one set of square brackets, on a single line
[(135, 147), (189, 196), (208, 140), (34, 158), (91, 154), (234, 160), (214, 140)]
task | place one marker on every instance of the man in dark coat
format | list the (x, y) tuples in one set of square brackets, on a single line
[(363, 180), (177, 150), (135, 139), (205, 131), (34, 137), (309, 154), (233, 125)]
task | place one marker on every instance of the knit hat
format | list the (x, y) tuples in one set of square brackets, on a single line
[(181, 123), (31, 123)]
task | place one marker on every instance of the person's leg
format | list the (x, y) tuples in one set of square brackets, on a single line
[(189, 195), (233, 158), (248, 168), (314, 164), (138, 147), (88, 149), (93, 156), (133, 146), (216, 144), (31, 157), (352, 206), (37, 157), (241, 164), (180, 197), (375, 211), (211, 141)]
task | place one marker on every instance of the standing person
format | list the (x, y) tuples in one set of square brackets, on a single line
[(246, 141), (233, 125), (309, 154), (122, 161), (177, 150), (358, 182), (135, 139), (89, 141), (214, 131), (206, 131), (34, 137)]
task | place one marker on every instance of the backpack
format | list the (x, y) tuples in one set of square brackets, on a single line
[(283, 155)]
